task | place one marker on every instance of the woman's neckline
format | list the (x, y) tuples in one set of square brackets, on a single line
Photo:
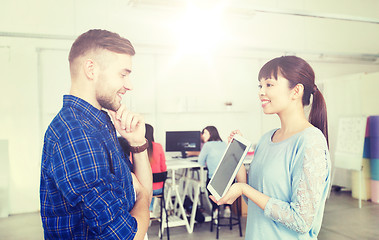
[(286, 139)]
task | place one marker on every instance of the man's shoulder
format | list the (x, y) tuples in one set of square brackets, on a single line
[(66, 121)]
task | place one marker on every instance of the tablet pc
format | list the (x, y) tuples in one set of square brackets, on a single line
[(228, 167)]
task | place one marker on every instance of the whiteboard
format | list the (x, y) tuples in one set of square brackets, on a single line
[(350, 143)]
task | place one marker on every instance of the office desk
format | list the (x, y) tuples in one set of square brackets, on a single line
[(180, 218)]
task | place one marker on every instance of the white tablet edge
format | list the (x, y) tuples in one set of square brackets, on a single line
[(240, 161)]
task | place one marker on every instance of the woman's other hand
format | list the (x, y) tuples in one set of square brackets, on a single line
[(234, 133)]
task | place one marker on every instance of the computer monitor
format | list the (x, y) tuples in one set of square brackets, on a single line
[(182, 141)]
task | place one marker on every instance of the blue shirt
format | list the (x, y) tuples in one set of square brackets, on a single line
[(295, 174), (86, 189), (211, 154)]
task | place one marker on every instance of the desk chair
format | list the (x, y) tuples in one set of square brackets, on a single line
[(203, 190), (223, 221), (161, 177)]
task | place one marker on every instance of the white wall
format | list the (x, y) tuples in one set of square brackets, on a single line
[(20, 121), (173, 93), (346, 96)]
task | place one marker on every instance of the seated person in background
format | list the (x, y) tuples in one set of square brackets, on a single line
[(157, 160), (210, 155)]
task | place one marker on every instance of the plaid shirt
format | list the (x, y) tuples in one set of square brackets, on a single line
[(86, 187)]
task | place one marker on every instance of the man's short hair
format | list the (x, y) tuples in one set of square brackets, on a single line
[(96, 39)]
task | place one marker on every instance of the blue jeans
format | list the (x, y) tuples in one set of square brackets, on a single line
[(155, 192)]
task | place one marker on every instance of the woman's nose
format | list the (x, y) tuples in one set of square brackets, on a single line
[(261, 92)]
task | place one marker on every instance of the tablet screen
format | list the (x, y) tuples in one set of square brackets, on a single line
[(227, 166)]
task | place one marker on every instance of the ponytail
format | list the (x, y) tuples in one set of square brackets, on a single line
[(318, 115)]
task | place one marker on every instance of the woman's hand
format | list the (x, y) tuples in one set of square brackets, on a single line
[(231, 195), (234, 133)]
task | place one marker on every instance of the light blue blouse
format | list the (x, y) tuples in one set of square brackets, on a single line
[(211, 154), (295, 173)]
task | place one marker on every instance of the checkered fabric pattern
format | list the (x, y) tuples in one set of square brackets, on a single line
[(86, 189)]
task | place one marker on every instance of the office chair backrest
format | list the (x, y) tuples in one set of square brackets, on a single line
[(159, 177)]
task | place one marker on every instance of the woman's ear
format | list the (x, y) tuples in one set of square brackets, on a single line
[(298, 91)]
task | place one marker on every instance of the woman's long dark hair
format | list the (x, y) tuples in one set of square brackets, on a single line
[(298, 71), (214, 136), (149, 135)]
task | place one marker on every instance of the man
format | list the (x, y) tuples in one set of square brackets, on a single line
[(87, 190)]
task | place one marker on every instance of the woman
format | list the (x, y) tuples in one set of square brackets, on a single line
[(289, 176), (210, 155), (157, 161)]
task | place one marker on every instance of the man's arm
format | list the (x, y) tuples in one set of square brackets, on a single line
[(131, 126), (140, 210), (142, 170)]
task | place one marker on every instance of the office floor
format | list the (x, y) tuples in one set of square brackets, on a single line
[(342, 220)]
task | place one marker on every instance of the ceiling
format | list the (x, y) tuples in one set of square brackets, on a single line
[(339, 30)]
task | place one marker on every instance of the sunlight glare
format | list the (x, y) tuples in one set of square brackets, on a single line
[(200, 30)]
